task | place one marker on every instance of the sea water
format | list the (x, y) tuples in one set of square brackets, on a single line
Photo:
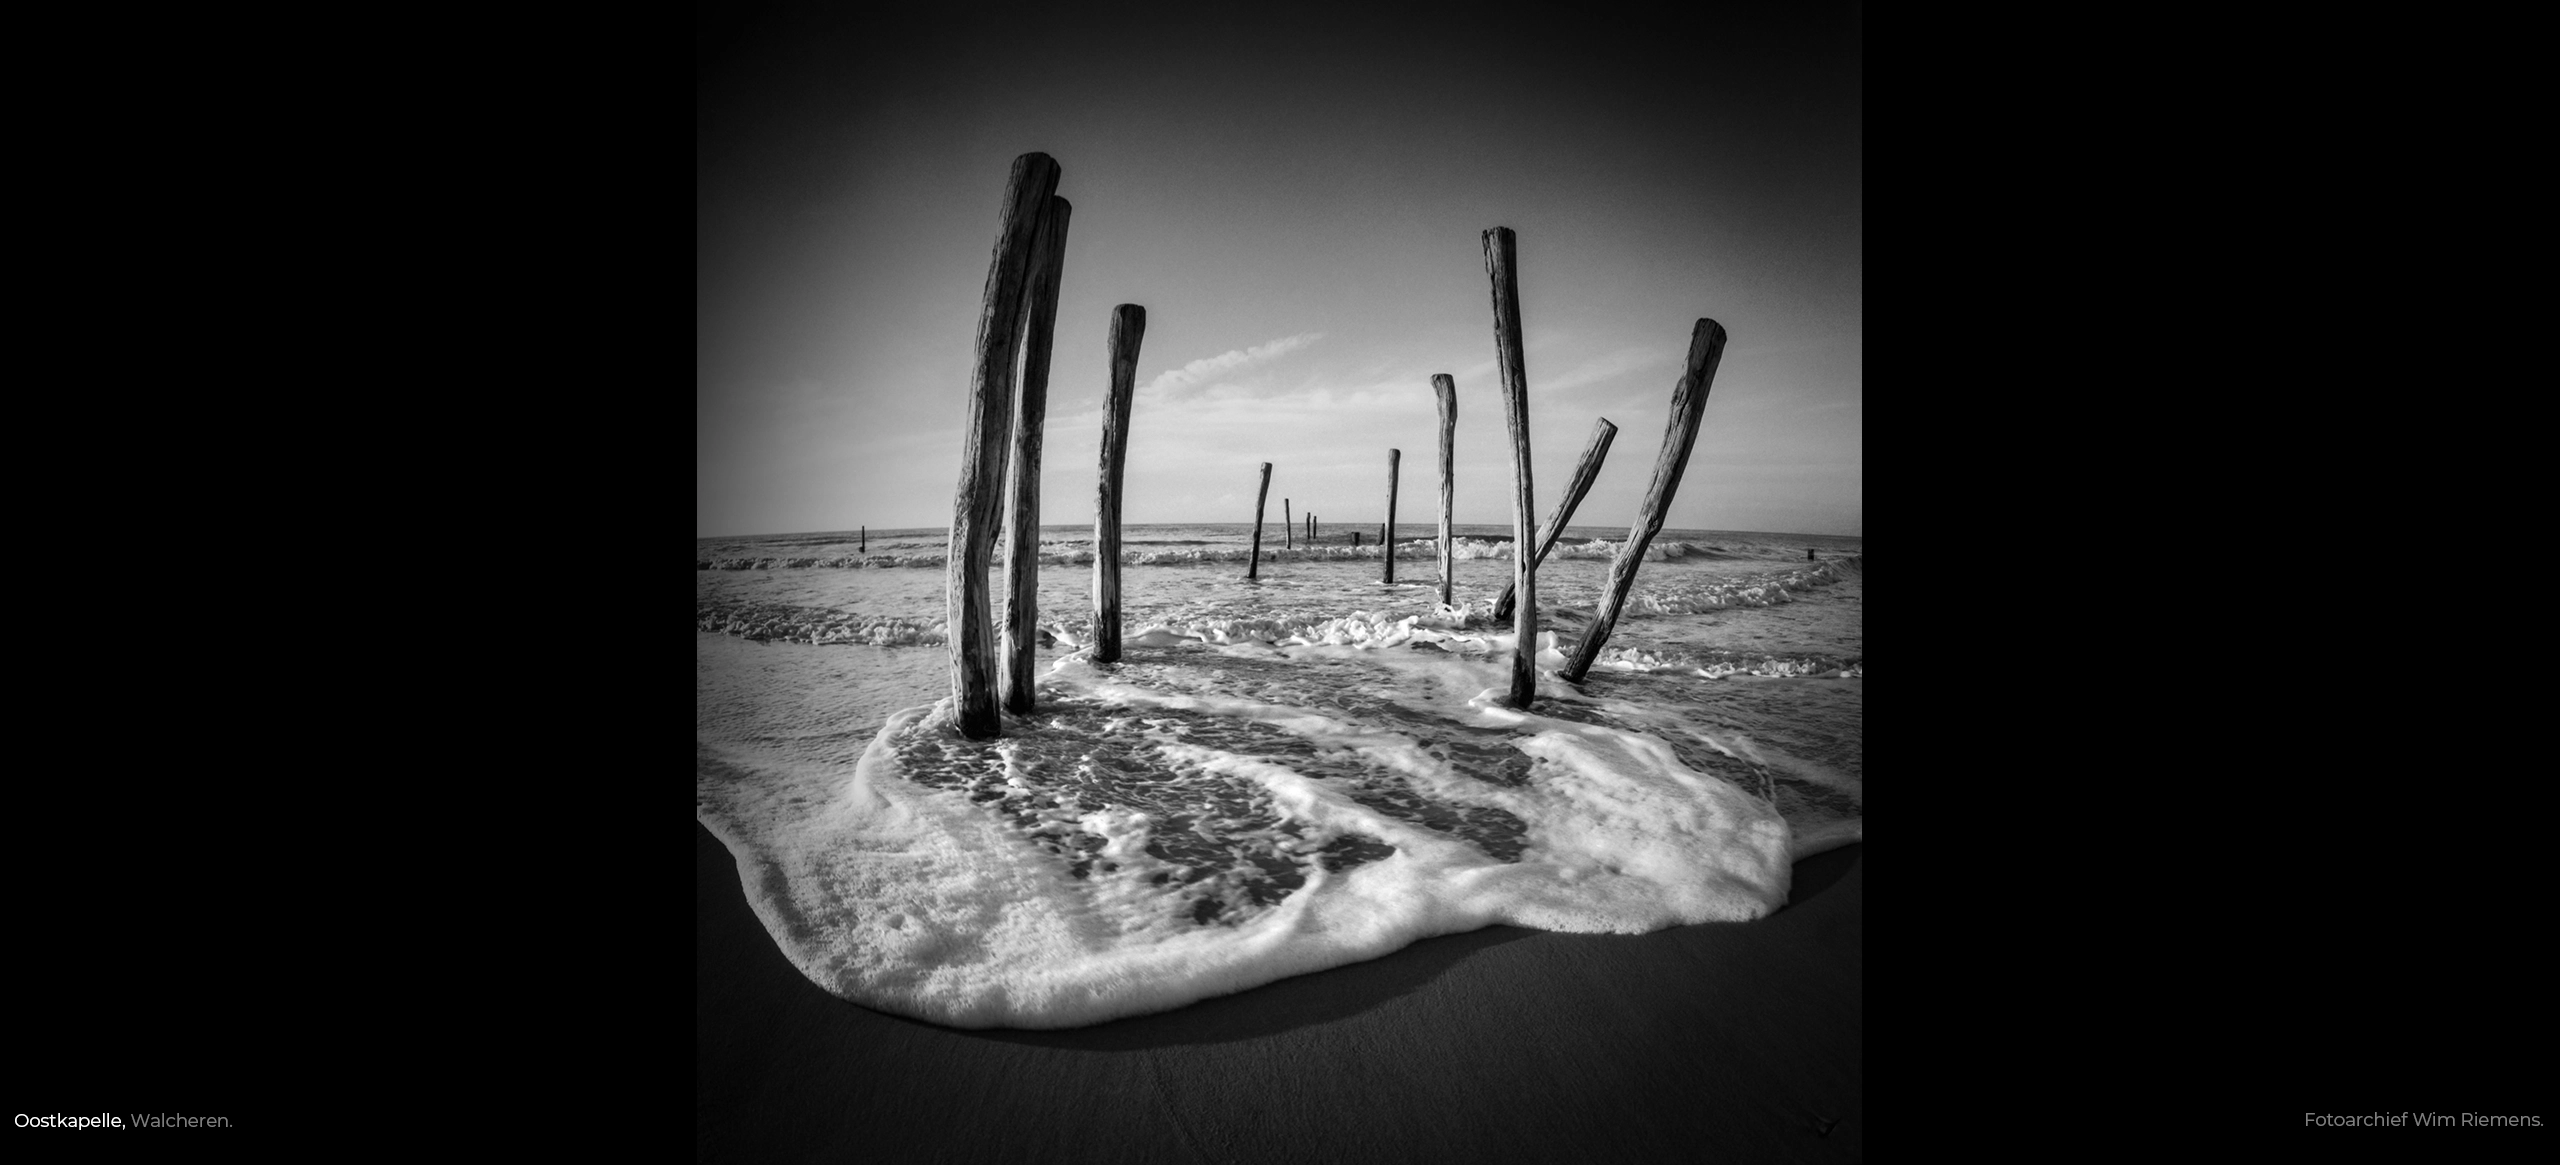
[(1281, 774)]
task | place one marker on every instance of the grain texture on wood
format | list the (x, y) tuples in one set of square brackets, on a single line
[(1030, 417), (1387, 532), (1501, 268), (978, 501), (1253, 561), (1593, 453), (1447, 389), (1128, 327), (1688, 404)]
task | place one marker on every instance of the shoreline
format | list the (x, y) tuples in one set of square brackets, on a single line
[(1498, 1044)]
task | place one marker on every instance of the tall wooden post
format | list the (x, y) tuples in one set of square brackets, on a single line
[(1387, 533), (975, 505), (1128, 326), (1584, 472), (1031, 414), (863, 546), (1447, 389), (1501, 267), (1688, 404), (1287, 527), (1253, 563)]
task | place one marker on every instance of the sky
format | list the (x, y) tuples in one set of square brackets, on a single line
[(1297, 198)]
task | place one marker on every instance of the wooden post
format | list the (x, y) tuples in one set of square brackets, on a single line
[(976, 503), (1688, 403), (1387, 533), (1447, 389), (1288, 526), (1501, 267), (864, 546), (1031, 414), (1253, 564), (1589, 468), (1128, 326)]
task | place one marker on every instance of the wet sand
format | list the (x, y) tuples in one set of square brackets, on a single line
[(1710, 1042)]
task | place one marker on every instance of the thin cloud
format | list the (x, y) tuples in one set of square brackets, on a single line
[(1606, 367), (1201, 370)]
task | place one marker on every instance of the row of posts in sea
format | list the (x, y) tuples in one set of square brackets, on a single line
[(1000, 455)]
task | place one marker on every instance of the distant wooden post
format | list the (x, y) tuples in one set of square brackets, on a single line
[(1589, 468), (1355, 538), (1253, 564), (1287, 526), (864, 546), (1387, 533), (1447, 389), (1501, 267), (1128, 326), (1031, 414), (1688, 404), (976, 503)]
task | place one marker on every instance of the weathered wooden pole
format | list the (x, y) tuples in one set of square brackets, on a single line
[(976, 504), (1031, 415), (1288, 527), (1128, 326), (1688, 403), (1501, 267), (1589, 468), (864, 546), (1447, 388), (1253, 564), (1387, 533)]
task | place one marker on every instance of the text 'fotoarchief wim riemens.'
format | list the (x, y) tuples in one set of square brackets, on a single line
[(2424, 1120)]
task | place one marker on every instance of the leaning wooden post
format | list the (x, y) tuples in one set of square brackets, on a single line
[(1583, 473), (1501, 266), (1447, 388), (1287, 527), (1128, 326), (975, 504), (1253, 564), (1031, 414), (1387, 533), (1688, 403)]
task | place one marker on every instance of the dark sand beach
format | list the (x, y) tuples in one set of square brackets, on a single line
[(1712, 1042)]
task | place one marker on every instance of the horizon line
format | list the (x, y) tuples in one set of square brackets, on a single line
[(1432, 526)]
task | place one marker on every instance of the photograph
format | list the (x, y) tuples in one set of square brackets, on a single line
[(1279, 584)]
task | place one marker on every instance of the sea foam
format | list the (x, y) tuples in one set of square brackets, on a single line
[(1159, 833)]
